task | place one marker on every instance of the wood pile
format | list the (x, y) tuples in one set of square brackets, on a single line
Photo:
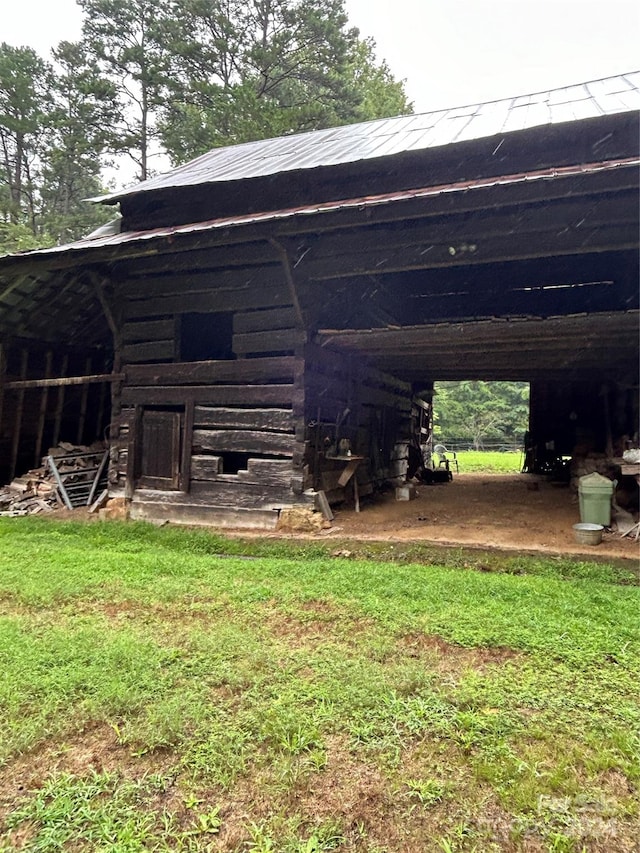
[(37, 491)]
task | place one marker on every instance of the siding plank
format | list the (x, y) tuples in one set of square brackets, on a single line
[(275, 420), (263, 321), (278, 396), (272, 341), (149, 351), (254, 370), (243, 441)]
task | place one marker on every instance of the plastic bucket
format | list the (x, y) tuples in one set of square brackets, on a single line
[(595, 493), (588, 534)]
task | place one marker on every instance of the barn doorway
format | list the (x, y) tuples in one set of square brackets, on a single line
[(474, 415)]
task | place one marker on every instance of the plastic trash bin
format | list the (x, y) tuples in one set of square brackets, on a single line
[(595, 493)]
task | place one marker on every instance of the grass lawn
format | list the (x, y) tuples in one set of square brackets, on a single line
[(490, 461), (170, 690)]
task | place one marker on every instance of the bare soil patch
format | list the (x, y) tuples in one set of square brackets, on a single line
[(440, 653)]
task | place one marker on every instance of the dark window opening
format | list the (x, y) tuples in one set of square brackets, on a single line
[(206, 337), (232, 463)]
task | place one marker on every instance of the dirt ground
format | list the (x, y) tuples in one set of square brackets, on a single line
[(510, 512), (517, 512)]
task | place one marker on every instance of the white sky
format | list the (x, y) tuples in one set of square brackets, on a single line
[(450, 52)]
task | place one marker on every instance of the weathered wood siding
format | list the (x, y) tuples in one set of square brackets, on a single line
[(379, 414), (35, 418), (243, 455)]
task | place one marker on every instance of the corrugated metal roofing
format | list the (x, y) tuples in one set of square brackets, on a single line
[(386, 137)]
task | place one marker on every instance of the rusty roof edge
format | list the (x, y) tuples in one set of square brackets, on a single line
[(135, 237)]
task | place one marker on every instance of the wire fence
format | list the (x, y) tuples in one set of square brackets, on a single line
[(459, 445)]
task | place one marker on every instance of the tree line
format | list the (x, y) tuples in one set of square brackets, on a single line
[(170, 78), (481, 412)]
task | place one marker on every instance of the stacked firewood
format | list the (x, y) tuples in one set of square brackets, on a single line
[(36, 491), (32, 493)]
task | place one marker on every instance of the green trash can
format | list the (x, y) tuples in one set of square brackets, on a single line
[(595, 493)]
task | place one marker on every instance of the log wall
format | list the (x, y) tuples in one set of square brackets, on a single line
[(345, 398), (242, 454)]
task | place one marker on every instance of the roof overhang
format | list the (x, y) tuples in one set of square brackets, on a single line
[(578, 347)]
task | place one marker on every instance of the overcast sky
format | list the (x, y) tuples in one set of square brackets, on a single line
[(450, 52)]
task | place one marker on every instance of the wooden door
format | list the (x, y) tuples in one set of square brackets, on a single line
[(160, 448)]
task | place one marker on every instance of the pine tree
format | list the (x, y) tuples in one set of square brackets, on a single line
[(126, 40), (243, 71), (25, 105)]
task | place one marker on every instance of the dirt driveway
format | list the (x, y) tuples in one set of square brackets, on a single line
[(513, 512)]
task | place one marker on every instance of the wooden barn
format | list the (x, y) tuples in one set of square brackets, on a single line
[(270, 317)]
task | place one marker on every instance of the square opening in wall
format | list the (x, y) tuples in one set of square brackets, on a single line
[(206, 337)]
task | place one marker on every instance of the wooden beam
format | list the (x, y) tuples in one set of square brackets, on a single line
[(483, 198), (101, 403), (133, 442), (243, 441), (44, 398), (250, 371), (17, 426), (60, 402), (203, 280), (265, 295), (84, 399), (450, 253), (454, 227), (65, 381), (291, 283), (148, 330), (15, 284), (271, 420), (187, 445), (3, 367), (98, 284), (278, 396)]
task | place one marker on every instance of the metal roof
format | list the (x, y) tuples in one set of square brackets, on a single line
[(386, 137)]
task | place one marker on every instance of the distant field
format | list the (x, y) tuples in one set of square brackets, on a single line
[(170, 690), (489, 461)]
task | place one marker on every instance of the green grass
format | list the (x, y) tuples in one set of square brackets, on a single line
[(489, 462), (166, 689)]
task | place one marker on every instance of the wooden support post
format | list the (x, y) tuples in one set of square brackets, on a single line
[(187, 443), (291, 284), (59, 404), (17, 426), (607, 421), (100, 413), (84, 399), (3, 368), (135, 433), (116, 387), (44, 399)]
